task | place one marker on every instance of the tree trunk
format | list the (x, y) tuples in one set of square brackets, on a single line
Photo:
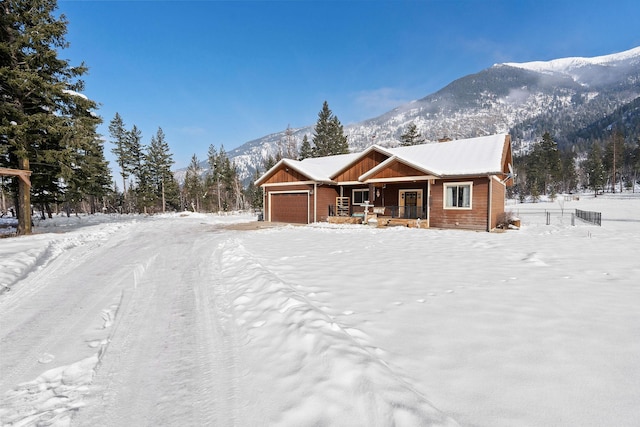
[(164, 204), (24, 201)]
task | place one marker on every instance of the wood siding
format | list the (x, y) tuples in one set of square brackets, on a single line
[(359, 168), (468, 219), (285, 174), (325, 197), (397, 170), (498, 192)]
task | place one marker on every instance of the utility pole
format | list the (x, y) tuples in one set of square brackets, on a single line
[(613, 183)]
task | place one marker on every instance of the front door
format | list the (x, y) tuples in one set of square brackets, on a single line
[(410, 204)]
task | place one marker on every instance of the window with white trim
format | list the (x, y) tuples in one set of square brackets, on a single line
[(360, 196), (457, 195)]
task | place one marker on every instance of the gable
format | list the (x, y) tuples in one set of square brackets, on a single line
[(360, 167), (284, 174), (395, 169)]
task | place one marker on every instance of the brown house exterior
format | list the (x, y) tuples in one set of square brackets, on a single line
[(454, 184)]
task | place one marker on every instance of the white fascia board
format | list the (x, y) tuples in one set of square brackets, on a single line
[(288, 184), (401, 179)]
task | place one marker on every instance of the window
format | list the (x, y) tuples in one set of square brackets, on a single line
[(360, 196), (457, 195)]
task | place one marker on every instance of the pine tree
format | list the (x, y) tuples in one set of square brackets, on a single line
[(39, 94), (253, 193), (339, 144), (411, 136), (290, 148), (159, 162), (613, 158), (328, 138), (569, 176), (135, 151), (543, 168), (229, 178), (118, 134), (193, 185), (596, 173), (551, 166), (213, 177), (305, 149)]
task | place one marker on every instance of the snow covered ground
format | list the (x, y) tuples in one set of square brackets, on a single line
[(179, 320)]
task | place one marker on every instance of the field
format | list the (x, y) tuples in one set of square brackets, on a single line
[(184, 320)]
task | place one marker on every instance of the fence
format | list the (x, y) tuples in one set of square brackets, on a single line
[(589, 216), (557, 217)]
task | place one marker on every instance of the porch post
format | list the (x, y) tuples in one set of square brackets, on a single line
[(490, 196), (315, 202)]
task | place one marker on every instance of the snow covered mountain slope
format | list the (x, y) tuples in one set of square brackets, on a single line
[(568, 65), (562, 96)]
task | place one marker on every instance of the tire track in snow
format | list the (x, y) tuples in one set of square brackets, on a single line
[(70, 310), (217, 349), (172, 361), (314, 371), (54, 396)]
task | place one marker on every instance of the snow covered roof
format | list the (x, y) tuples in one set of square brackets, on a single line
[(472, 156)]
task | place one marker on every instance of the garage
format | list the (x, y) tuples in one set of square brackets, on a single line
[(289, 207)]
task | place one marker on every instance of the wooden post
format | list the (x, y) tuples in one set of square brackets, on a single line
[(24, 199), (24, 195)]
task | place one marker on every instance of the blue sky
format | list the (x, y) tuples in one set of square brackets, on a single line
[(227, 72)]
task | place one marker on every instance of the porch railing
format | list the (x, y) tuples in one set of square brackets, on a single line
[(405, 212)]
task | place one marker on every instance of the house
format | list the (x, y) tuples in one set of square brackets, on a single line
[(451, 184)]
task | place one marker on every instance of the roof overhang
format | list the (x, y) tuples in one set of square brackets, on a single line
[(401, 179)]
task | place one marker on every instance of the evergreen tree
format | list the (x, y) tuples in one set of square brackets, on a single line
[(613, 159), (328, 137), (411, 136), (135, 150), (253, 193), (339, 144), (193, 185), (543, 167), (596, 173), (159, 162), (119, 136), (569, 175), (213, 178), (305, 149), (232, 191), (39, 94), (550, 166), (290, 148)]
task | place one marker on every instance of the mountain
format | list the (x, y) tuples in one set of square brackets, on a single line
[(569, 97)]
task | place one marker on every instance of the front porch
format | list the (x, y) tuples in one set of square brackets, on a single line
[(380, 216)]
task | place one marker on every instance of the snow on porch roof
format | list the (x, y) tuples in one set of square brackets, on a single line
[(472, 156)]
